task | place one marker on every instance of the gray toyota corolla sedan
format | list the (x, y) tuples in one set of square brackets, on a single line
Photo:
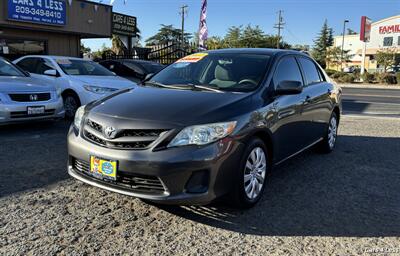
[(212, 125), (23, 98)]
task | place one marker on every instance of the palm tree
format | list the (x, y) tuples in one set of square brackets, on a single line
[(118, 46)]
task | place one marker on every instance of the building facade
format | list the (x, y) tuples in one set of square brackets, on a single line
[(50, 27), (385, 34)]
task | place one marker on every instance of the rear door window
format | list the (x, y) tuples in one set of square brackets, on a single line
[(310, 70)]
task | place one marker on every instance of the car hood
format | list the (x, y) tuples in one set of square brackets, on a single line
[(172, 106), (105, 81), (23, 84)]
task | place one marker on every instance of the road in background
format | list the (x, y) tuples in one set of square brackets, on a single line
[(371, 101)]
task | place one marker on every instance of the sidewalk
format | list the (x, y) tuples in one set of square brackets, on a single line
[(370, 86)]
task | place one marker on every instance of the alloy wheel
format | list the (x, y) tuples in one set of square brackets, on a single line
[(332, 132), (254, 173)]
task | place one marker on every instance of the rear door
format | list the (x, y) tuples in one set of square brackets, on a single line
[(317, 105), (290, 126)]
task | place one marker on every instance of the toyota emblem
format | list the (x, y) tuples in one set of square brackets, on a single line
[(110, 132)]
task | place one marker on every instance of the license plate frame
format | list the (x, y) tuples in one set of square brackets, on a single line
[(35, 110), (103, 168)]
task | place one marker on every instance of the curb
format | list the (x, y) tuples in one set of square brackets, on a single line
[(371, 86)]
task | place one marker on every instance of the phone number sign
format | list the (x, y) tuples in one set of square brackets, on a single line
[(49, 12)]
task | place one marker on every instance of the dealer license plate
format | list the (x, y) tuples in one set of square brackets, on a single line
[(103, 169), (35, 110)]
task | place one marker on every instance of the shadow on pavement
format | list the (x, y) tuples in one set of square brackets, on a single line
[(32, 155), (353, 191)]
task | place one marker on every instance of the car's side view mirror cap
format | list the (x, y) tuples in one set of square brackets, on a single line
[(51, 72), (289, 87)]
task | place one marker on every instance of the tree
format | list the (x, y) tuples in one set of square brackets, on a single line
[(118, 46), (167, 34), (386, 58), (334, 54), (321, 44), (103, 50), (351, 32), (84, 49)]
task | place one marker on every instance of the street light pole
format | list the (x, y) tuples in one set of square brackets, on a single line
[(341, 55)]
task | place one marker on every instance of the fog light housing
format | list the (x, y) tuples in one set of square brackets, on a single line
[(198, 182)]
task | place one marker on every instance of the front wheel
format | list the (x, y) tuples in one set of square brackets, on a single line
[(250, 179), (328, 143), (71, 104)]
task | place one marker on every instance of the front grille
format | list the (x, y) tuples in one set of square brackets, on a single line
[(132, 139), (29, 97), (24, 114), (139, 183)]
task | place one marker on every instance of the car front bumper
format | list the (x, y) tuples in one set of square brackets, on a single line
[(16, 112), (190, 175)]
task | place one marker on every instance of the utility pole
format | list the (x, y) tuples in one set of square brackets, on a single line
[(279, 26), (183, 12)]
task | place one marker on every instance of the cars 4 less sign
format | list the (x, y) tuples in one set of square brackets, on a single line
[(49, 12)]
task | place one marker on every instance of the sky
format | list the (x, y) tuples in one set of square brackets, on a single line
[(303, 18)]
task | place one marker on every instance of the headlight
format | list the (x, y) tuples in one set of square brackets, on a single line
[(99, 89), (78, 116), (202, 134)]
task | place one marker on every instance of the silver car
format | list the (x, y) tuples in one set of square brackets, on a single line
[(24, 98)]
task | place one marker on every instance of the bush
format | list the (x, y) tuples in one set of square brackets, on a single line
[(368, 77), (337, 75), (398, 77), (348, 78), (386, 78), (331, 72)]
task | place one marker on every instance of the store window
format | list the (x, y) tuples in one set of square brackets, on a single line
[(15, 48), (388, 41), (398, 40)]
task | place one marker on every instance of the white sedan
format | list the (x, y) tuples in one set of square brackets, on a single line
[(81, 81)]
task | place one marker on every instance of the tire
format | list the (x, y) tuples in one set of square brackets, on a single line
[(71, 104), (329, 141), (250, 174)]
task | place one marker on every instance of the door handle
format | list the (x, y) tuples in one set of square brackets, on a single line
[(307, 100)]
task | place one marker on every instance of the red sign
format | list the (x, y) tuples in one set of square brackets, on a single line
[(389, 29), (365, 31)]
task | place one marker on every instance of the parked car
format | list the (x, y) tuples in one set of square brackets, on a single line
[(81, 81), (135, 70), (212, 124), (23, 98)]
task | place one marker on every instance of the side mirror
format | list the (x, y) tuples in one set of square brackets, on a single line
[(289, 87), (148, 76), (51, 72)]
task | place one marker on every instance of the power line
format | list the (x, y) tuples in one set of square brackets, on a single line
[(279, 26)]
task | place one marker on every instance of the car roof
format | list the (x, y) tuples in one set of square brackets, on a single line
[(266, 51), (54, 57), (134, 61)]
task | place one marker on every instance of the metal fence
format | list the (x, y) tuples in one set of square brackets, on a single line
[(163, 53)]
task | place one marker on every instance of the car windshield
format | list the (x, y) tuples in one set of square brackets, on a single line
[(8, 69), (223, 71), (151, 67), (83, 68)]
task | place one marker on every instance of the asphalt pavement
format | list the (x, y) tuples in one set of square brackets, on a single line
[(371, 101)]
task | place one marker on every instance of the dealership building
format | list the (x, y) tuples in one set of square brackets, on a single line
[(383, 34), (55, 27)]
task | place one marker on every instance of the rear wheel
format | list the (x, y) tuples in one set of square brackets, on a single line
[(71, 104), (328, 143), (250, 179)]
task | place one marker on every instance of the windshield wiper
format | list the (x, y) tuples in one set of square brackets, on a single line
[(185, 86)]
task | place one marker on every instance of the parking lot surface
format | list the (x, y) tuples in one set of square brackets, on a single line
[(344, 203)]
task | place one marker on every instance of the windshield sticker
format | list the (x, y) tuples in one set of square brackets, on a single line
[(64, 61), (193, 57), (181, 64)]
